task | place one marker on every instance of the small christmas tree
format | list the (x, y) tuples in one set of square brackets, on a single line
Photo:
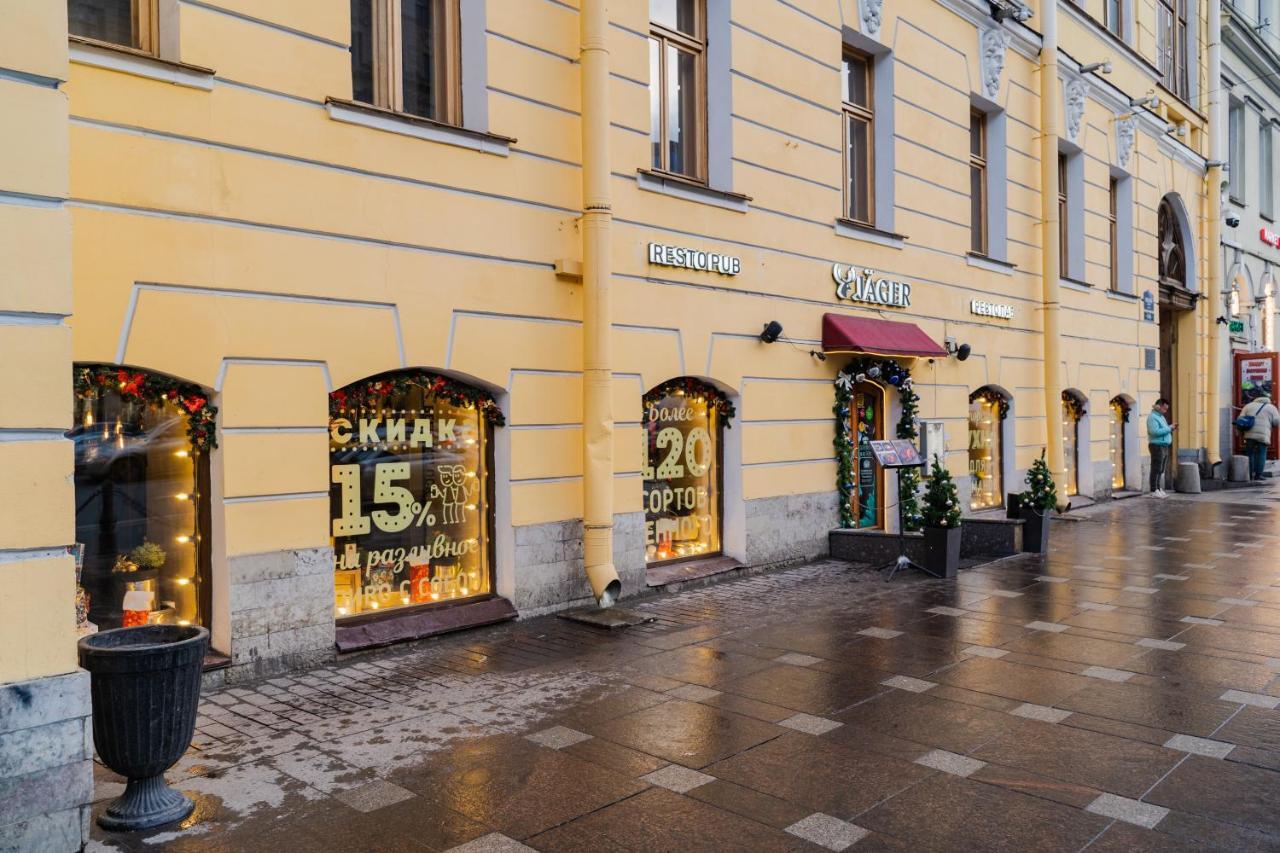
[(1041, 495), (941, 503)]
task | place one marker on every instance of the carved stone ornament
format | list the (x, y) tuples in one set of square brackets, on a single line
[(993, 44), (869, 12), (1077, 93), (1126, 132)]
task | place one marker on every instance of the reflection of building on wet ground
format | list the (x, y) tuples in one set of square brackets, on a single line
[(1119, 692)]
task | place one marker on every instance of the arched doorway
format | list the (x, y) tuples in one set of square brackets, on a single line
[(988, 409), (411, 493), (1117, 438), (684, 420), (142, 443), (866, 424), (1175, 266), (1073, 412)]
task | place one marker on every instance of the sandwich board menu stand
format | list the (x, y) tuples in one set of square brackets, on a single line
[(895, 455)]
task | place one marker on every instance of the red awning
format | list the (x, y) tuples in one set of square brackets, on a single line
[(843, 333)]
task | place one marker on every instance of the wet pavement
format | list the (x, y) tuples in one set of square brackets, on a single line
[(1119, 694)]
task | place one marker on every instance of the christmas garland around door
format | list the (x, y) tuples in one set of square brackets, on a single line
[(154, 389), (881, 371)]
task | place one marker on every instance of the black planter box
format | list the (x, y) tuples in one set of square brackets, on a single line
[(942, 551), (1035, 531), (145, 684)]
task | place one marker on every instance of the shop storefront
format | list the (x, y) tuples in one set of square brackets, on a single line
[(1117, 426), (684, 421), (987, 412), (1073, 409), (411, 495), (142, 443)]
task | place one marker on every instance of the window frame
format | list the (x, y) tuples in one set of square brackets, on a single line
[(1266, 169), (1114, 24), (979, 227), (387, 61), (1236, 153), (1113, 222), (145, 21), (1064, 198), (696, 45), (864, 113), (1175, 74)]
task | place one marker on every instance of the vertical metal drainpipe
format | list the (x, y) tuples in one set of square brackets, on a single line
[(597, 343), (1050, 248), (1213, 285)]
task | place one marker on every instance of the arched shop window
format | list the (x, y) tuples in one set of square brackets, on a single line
[(411, 497), (987, 410), (683, 420), (1072, 414), (1119, 423), (142, 443)]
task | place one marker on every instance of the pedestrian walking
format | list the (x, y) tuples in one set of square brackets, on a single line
[(1257, 419), (1160, 443)]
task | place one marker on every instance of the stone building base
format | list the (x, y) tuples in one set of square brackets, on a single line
[(281, 605), (548, 563), (790, 527), (46, 764)]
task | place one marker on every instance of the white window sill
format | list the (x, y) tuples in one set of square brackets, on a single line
[(129, 61), (983, 262), (857, 231), (657, 182), (1076, 285), (365, 115), (1121, 296)]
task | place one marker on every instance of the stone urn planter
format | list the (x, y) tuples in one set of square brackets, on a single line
[(942, 551), (1035, 531), (145, 684)]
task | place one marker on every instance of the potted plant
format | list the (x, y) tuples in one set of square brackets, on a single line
[(1040, 498), (145, 686), (941, 523)]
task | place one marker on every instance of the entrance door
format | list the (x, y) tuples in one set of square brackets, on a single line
[(1168, 348), (866, 411)]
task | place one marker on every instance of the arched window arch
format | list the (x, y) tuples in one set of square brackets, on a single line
[(1172, 257), (683, 422), (142, 443), (1073, 411), (411, 493), (988, 409), (1120, 411)]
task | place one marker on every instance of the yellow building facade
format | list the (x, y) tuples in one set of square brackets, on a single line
[(333, 273)]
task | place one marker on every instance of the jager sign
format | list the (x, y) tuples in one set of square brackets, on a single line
[(863, 285)]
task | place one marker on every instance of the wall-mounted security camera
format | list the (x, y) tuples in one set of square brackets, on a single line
[(771, 332), (1104, 66), (1232, 221)]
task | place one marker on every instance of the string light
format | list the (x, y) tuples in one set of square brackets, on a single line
[(184, 539), (182, 454), (182, 496)]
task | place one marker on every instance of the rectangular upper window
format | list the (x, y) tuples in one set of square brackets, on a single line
[(1235, 149), (406, 57), (857, 87), (127, 23), (1064, 256), (1113, 236), (1266, 168), (1113, 17), (1171, 46), (978, 182), (677, 87)]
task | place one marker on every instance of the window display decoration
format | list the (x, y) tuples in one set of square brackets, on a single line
[(715, 398), (681, 469), (881, 370), (1119, 417), (988, 409), (410, 495), (156, 389), (995, 398), (373, 393)]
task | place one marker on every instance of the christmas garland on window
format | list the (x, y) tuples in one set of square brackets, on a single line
[(881, 370), (716, 399), (154, 389), (1074, 404), (1125, 408), (373, 393), (992, 397)]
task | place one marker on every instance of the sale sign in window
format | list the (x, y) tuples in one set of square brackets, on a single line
[(408, 498), (681, 475)]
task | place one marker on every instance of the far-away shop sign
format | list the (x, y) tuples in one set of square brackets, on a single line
[(1269, 237), (864, 285), (693, 259), (991, 309)]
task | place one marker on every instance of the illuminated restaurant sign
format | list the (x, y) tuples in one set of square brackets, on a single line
[(864, 285)]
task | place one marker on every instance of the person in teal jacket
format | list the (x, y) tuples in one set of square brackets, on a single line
[(1160, 443)]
